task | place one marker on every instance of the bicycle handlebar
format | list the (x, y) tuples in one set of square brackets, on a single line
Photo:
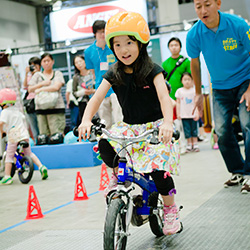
[(99, 129)]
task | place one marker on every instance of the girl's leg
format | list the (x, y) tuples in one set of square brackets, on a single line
[(110, 158), (43, 170), (10, 152), (165, 186)]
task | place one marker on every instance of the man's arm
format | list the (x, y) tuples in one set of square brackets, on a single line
[(246, 96), (196, 74)]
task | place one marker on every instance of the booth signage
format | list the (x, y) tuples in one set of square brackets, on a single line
[(76, 23)]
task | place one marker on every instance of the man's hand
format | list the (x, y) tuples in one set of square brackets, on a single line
[(198, 104), (246, 97)]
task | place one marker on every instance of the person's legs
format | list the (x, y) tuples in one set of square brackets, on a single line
[(244, 117), (224, 102), (33, 124), (165, 186), (43, 124), (111, 159), (56, 123), (74, 116), (194, 135), (187, 133), (10, 152), (105, 112), (82, 106)]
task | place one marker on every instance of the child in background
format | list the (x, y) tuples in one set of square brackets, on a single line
[(142, 93), (185, 106), (14, 122)]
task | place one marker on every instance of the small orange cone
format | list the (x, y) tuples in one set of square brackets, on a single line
[(104, 181), (33, 209), (80, 190)]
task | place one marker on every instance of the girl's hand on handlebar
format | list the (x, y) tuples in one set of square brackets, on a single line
[(165, 132), (84, 130)]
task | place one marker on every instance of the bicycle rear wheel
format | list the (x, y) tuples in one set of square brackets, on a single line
[(156, 215), (115, 236), (26, 172)]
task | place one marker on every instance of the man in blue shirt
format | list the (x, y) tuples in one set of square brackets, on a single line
[(224, 40), (99, 58)]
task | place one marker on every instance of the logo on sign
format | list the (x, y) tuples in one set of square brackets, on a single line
[(83, 20)]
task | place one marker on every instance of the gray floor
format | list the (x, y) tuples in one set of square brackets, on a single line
[(213, 217)]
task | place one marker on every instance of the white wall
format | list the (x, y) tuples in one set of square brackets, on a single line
[(18, 25)]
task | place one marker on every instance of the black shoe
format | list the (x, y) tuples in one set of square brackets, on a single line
[(235, 180), (245, 187)]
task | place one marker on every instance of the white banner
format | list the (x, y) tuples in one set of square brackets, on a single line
[(76, 23)]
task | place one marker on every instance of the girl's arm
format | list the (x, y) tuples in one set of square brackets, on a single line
[(92, 108), (166, 129)]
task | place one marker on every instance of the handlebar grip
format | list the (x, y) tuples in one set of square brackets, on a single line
[(176, 134), (92, 137), (75, 131)]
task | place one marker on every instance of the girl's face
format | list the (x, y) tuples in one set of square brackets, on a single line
[(126, 49), (47, 63), (175, 48), (187, 81), (79, 63)]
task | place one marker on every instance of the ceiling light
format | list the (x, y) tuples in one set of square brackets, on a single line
[(57, 5), (8, 50), (67, 42), (186, 25), (73, 50)]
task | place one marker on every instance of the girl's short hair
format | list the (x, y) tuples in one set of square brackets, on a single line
[(77, 71), (174, 39), (98, 25), (47, 54), (142, 65), (35, 60), (186, 74)]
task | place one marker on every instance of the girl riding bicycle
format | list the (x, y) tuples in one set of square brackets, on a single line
[(142, 93), (14, 122)]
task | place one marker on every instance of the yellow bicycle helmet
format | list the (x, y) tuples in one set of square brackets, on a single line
[(127, 23)]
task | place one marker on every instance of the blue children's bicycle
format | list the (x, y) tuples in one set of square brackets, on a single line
[(23, 164), (124, 208)]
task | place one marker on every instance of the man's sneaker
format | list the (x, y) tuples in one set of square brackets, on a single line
[(171, 220), (112, 184), (6, 181), (44, 172), (235, 180), (245, 186)]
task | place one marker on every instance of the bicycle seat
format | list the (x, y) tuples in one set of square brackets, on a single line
[(24, 144)]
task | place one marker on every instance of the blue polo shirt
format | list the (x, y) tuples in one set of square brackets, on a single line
[(226, 52), (94, 55)]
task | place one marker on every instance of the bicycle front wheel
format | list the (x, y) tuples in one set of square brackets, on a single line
[(115, 236), (26, 172)]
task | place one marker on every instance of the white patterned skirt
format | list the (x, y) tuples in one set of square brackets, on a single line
[(146, 157)]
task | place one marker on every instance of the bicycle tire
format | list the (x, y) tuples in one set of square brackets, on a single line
[(27, 168), (156, 225), (155, 220), (115, 226)]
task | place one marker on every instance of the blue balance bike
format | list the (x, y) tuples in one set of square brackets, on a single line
[(124, 208), (23, 164)]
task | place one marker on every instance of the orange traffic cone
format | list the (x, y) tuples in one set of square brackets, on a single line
[(80, 190), (104, 181), (33, 209)]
